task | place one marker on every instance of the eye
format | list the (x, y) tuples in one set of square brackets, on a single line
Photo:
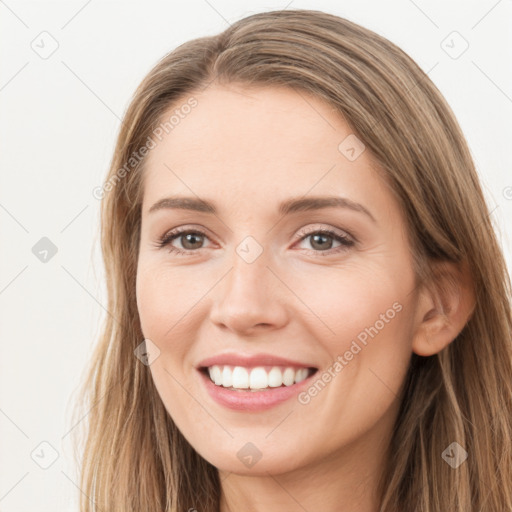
[(319, 240), (192, 239)]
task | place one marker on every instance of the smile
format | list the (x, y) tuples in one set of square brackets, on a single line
[(256, 378), (254, 389), (254, 382)]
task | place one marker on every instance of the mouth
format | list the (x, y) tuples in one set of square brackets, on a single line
[(257, 378)]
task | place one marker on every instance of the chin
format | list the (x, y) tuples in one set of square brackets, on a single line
[(249, 461)]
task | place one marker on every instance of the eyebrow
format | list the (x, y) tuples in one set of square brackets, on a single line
[(293, 205)]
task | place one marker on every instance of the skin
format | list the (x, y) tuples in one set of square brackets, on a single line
[(248, 149)]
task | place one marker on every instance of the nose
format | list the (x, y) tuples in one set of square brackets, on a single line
[(250, 298)]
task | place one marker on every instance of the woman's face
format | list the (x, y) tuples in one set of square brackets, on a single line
[(258, 285)]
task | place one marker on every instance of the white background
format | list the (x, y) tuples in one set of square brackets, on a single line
[(59, 120)]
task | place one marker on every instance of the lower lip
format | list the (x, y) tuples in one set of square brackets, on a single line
[(246, 400)]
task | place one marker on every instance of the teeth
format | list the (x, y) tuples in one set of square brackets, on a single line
[(216, 375), (301, 375), (258, 379), (275, 378), (227, 377), (288, 377), (239, 377)]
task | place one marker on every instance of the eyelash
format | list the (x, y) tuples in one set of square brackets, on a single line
[(167, 238)]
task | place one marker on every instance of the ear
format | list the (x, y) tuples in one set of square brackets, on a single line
[(443, 308)]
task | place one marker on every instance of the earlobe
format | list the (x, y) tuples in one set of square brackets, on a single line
[(443, 308)]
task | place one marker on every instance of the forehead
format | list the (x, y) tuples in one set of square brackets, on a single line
[(257, 143), (235, 121)]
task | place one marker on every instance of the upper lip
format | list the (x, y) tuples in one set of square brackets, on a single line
[(231, 358)]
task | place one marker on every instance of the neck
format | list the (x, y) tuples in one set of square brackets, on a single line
[(346, 481)]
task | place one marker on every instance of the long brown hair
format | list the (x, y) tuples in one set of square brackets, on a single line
[(134, 457)]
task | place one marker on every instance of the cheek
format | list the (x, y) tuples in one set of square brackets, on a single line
[(349, 303), (165, 299), (167, 315), (171, 311), (362, 323)]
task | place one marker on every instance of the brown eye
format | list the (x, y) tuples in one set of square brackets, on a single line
[(191, 240), (321, 241)]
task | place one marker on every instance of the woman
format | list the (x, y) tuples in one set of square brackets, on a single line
[(243, 366)]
